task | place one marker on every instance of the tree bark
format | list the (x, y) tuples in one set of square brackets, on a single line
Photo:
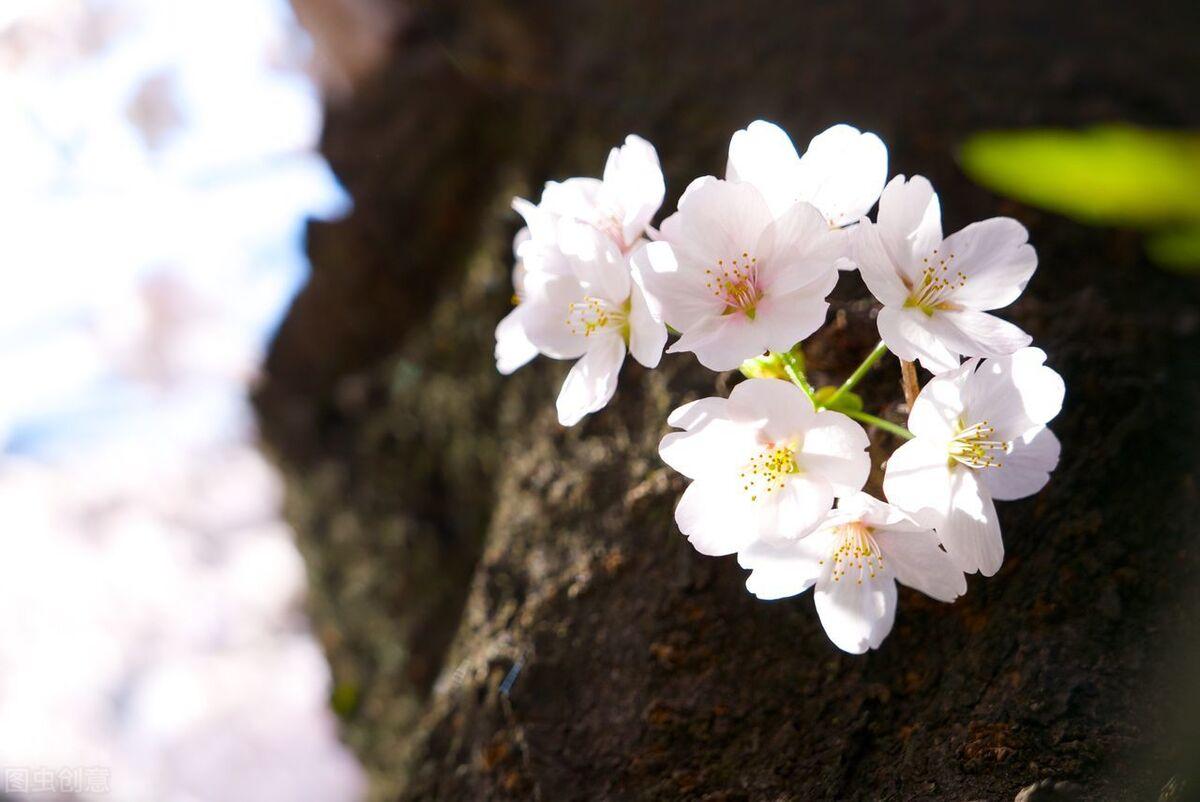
[(507, 605)]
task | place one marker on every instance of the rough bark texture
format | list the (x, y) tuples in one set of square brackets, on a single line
[(508, 608)]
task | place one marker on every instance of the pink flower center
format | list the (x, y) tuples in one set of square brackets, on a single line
[(735, 282), (610, 224)]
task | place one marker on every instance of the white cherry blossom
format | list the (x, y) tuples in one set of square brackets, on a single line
[(855, 558), (936, 293), (733, 279), (583, 305), (980, 436), (763, 464), (513, 348), (841, 173), (620, 206)]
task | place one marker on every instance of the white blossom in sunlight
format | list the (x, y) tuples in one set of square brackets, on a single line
[(936, 293), (745, 267), (735, 280), (980, 435), (619, 206), (583, 304), (841, 173), (855, 558), (622, 203), (763, 463), (513, 348)]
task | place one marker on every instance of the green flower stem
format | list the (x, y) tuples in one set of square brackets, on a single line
[(857, 375), (794, 368), (880, 423)]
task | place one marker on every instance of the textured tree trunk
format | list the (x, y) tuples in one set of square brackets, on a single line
[(508, 608)]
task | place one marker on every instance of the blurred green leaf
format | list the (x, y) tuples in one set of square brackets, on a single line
[(767, 366), (1177, 248), (1112, 174), (850, 401)]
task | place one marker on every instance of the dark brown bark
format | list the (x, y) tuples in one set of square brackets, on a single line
[(508, 608)]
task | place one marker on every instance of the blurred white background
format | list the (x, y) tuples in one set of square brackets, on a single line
[(156, 166)]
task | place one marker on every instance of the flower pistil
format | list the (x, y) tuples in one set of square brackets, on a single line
[(735, 282), (937, 283), (769, 469), (856, 550), (975, 447), (593, 315)]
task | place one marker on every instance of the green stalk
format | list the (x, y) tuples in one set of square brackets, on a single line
[(857, 375), (795, 372), (880, 423)]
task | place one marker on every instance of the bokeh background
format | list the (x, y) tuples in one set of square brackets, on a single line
[(157, 165)]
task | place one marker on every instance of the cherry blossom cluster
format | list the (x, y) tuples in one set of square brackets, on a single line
[(742, 272)]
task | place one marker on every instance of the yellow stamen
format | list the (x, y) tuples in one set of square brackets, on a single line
[(769, 469)]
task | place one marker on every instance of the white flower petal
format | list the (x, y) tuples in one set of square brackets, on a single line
[(781, 406), (675, 289), (545, 321), (834, 449), (790, 511), (639, 263), (918, 481), (856, 616), (695, 185), (633, 179), (876, 265), (801, 506), (910, 223), (790, 318), (541, 262), (864, 507), (721, 219), (1015, 393), (723, 343), (997, 260), (940, 405), (523, 234), (596, 261), (540, 224), (592, 380), (763, 154), (842, 173), (518, 273), (513, 348), (798, 249), (915, 559), (973, 333), (1026, 469), (785, 568), (699, 413), (647, 336), (715, 517), (574, 198), (907, 333), (717, 449), (971, 531)]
